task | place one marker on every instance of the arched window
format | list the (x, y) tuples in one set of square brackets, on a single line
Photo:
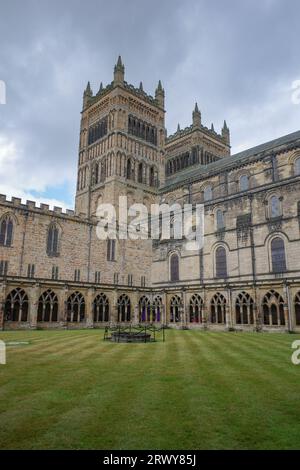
[(274, 207), (244, 183), (175, 309), (278, 255), (297, 309), (111, 249), (218, 309), (174, 267), (101, 308), (297, 166), (221, 262), (96, 173), (207, 194), (75, 307), (273, 309), (140, 173), (52, 240), (144, 309), (152, 177), (157, 309), (244, 309), (220, 219), (48, 307), (128, 169), (124, 308), (16, 306), (196, 307), (6, 231)]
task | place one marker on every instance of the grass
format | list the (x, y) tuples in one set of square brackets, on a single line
[(199, 390)]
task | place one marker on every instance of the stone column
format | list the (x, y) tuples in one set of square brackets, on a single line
[(62, 307), (89, 307), (255, 313), (134, 297), (184, 306), (205, 311), (291, 296), (286, 308), (258, 310), (228, 310), (34, 294), (2, 304), (114, 307), (164, 308)]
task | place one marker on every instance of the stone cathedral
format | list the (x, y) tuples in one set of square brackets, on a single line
[(56, 273)]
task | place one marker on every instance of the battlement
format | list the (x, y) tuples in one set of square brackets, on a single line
[(187, 130), (16, 203), (89, 99), (139, 92)]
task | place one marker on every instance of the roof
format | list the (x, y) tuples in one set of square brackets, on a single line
[(196, 172)]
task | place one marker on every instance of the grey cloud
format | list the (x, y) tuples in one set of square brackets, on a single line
[(237, 59)]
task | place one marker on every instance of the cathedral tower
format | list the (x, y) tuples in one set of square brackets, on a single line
[(121, 147)]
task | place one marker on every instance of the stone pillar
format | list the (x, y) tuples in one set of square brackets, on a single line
[(255, 312), (228, 310), (258, 310), (114, 307), (34, 294), (2, 304), (286, 308), (89, 307), (184, 306), (205, 311), (291, 296), (134, 297), (164, 308), (62, 307)]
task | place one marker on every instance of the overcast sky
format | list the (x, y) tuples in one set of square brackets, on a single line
[(237, 59)]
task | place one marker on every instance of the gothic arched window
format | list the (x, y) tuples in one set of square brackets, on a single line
[(6, 231), (221, 262), (220, 219), (297, 166), (207, 194), (274, 207), (175, 309), (96, 173), (128, 169), (278, 255), (244, 309), (101, 308), (157, 309), (75, 307), (52, 240), (16, 306), (273, 309), (144, 309), (111, 249), (124, 308), (48, 307), (152, 177), (297, 309), (196, 306), (244, 183), (140, 173), (174, 267), (218, 309)]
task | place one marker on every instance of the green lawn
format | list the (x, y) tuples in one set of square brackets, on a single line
[(199, 390)]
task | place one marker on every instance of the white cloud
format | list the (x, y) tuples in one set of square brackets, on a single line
[(19, 184)]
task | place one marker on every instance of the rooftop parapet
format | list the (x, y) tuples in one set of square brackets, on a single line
[(42, 208)]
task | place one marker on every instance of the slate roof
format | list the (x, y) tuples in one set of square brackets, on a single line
[(200, 171)]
